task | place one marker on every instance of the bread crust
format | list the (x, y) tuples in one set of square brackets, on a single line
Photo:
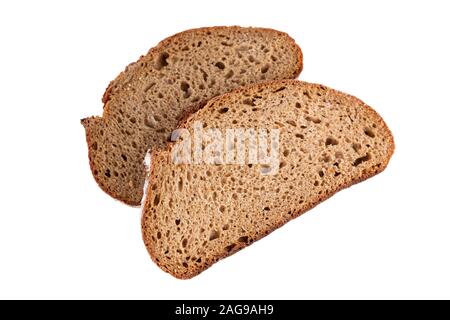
[(155, 51), (162, 156)]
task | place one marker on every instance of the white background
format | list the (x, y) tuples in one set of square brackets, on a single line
[(62, 237)]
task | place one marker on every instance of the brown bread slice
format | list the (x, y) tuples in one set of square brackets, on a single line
[(146, 101), (195, 215)]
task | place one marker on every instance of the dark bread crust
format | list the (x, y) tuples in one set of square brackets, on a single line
[(163, 157), (90, 122)]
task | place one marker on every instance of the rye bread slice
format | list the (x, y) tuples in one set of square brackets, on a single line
[(197, 214), (146, 101)]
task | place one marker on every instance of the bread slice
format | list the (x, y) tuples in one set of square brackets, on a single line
[(197, 214), (146, 101)]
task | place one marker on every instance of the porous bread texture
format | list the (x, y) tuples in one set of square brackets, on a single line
[(146, 101), (195, 215)]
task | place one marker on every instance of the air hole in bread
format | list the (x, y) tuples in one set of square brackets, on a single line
[(249, 102), (150, 121), (180, 184), (244, 48), (313, 119), (356, 147), (184, 86), (204, 74), (229, 74), (94, 146), (280, 89), (214, 235), (291, 122), (222, 209), (298, 105), (230, 247), (108, 173), (161, 62), (226, 227), (184, 243), (321, 174), (306, 94), (156, 200), (360, 160), (223, 110), (265, 69), (369, 132), (243, 239), (331, 142), (220, 65), (299, 135)]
